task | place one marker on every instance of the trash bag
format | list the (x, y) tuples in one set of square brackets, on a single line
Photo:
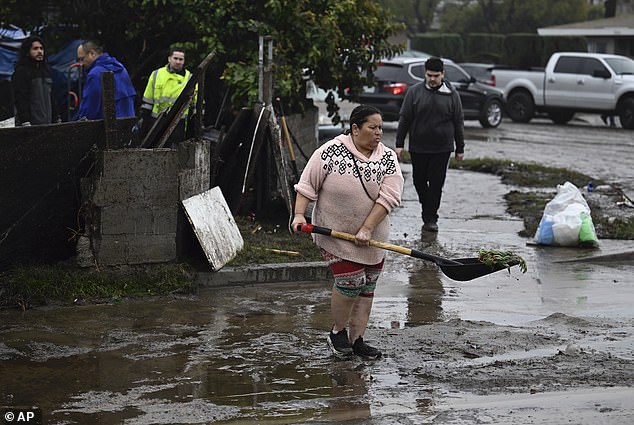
[(566, 220)]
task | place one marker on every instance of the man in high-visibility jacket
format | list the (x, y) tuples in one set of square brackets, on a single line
[(163, 88)]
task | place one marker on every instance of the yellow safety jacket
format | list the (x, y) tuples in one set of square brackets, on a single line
[(162, 90)]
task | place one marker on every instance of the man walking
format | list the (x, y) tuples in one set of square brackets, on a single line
[(163, 88), (95, 61), (33, 86), (432, 116)]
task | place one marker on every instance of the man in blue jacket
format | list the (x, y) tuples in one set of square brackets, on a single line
[(96, 61), (432, 116)]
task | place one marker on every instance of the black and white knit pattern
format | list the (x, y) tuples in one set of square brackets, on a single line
[(338, 159)]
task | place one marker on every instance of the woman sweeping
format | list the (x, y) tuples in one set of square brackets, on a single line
[(355, 181)]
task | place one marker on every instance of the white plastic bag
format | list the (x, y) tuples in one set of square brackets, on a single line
[(563, 219)]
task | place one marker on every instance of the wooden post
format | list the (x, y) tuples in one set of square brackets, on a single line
[(109, 110), (200, 105), (265, 69)]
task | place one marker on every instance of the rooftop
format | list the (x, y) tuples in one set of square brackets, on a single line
[(622, 25)]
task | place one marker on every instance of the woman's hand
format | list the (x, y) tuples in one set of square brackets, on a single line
[(298, 219), (363, 236)]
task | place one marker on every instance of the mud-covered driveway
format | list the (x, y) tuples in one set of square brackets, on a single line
[(552, 346)]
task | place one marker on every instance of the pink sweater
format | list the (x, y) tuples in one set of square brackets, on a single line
[(331, 179)]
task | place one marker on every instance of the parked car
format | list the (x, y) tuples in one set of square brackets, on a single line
[(393, 77), (481, 71)]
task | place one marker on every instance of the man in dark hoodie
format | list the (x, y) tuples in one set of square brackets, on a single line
[(96, 61), (432, 116), (33, 86)]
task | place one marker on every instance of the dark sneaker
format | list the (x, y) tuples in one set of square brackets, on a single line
[(430, 227), (365, 351), (339, 344)]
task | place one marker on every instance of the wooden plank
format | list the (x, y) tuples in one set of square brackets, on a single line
[(214, 227), (227, 146), (283, 168), (109, 108)]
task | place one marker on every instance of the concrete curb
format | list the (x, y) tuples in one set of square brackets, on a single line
[(266, 273)]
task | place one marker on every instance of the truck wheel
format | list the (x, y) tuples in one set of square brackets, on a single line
[(520, 107), (626, 113), (561, 117), (491, 114)]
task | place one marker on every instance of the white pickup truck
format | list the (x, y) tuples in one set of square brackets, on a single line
[(571, 82)]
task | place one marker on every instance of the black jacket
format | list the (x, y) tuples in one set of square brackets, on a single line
[(433, 118), (33, 93)]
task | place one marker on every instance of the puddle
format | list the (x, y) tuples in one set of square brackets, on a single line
[(231, 355)]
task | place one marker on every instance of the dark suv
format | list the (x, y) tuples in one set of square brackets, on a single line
[(479, 101)]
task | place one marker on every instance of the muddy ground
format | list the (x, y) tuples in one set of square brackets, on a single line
[(556, 370)]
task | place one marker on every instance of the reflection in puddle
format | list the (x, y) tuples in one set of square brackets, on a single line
[(417, 302)]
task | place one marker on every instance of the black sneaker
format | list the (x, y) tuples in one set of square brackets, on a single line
[(365, 351), (339, 344)]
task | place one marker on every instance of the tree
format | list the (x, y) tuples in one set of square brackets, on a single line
[(509, 16), (334, 42), (417, 15), (489, 11)]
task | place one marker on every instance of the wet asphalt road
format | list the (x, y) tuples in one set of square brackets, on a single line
[(585, 145), (257, 354)]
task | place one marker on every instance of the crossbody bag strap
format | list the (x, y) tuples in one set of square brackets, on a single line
[(356, 167)]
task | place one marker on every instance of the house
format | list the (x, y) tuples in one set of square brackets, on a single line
[(609, 35)]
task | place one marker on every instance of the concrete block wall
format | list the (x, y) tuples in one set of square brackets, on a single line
[(133, 198), (194, 168)]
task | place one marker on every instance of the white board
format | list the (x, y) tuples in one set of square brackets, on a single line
[(214, 226)]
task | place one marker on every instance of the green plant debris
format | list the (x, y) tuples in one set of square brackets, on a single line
[(529, 206), (524, 174), (502, 259)]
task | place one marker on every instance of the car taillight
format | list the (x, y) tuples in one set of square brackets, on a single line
[(492, 79), (395, 88)]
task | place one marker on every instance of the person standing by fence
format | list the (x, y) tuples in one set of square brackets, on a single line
[(33, 86), (163, 88), (95, 61)]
